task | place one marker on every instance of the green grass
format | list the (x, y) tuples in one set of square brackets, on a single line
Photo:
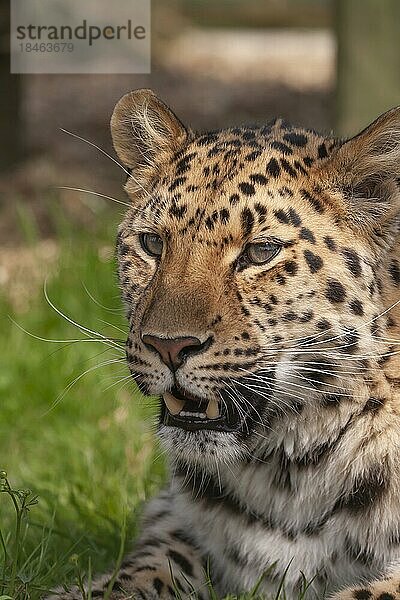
[(87, 452), (78, 455)]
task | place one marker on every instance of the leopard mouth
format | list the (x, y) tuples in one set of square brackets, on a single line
[(183, 410)]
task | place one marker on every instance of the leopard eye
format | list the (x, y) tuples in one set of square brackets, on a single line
[(151, 243), (262, 253)]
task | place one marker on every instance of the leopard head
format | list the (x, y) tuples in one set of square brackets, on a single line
[(256, 265)]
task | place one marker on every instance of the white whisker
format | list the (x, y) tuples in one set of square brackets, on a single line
[(82, 139), (115, 310), (60, 397), (74, 189), (129, 174), (85, 330)]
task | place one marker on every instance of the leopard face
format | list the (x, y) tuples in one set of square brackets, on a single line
[(254, 263)]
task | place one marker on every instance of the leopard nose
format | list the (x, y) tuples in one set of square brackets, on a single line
[(174, 351)]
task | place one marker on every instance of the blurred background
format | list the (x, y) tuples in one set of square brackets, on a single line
[(72, 427), (326, 64)]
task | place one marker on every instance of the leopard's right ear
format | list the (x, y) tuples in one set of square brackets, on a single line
[(142, 129)]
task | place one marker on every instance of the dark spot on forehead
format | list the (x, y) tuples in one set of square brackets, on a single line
[(247, 188), (284, 148), (258, 178), (247, 221), (177, 211), (313, 201), (294, 217), (330, 242), (335, 291), (308, 161), (206, 139), (234, 199), (297, 139), (179, 181), (273, 168), (322, 151), (211, 220), (253, 155), (184, 164), (178, 155), (261, 210), (286, 166), (282, 216), (285, 191), (314, 261), (307, 234), (300, 167), (213, 151), (352, 261)]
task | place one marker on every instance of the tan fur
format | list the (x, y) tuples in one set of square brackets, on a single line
[(304, 347)]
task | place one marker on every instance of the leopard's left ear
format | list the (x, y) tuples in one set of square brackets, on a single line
[(143, 130), (364, 171)]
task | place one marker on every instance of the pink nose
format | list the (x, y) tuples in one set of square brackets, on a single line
[(173, 351)]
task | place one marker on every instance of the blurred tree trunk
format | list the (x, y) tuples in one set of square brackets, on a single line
[(10, 96), (368, 63)]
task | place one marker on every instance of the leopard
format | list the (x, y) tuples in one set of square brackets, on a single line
[(259, 267)]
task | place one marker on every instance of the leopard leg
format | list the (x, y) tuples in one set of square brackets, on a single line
[(387, 588), (165, 564)]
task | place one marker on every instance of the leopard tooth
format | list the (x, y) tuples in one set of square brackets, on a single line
[(212, 411), (174, 405)]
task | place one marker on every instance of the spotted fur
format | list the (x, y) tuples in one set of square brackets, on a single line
[(305, 345)]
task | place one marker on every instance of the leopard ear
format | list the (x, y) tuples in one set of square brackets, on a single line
[(364, 171), (142, 129)]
